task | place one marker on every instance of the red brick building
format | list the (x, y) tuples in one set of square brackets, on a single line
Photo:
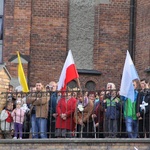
[(98, 33)]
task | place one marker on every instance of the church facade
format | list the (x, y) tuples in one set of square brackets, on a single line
[(99, 33)]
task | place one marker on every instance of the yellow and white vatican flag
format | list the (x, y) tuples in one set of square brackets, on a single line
[(21, 76)]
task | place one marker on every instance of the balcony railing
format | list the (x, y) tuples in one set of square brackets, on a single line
[(75, 114)]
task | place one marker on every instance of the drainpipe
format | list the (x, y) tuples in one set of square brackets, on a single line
[(29, 63), (132, 29)]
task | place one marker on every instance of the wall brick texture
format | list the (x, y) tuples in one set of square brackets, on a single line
[(40, 29), (48, 39), (111, 39), (142, 57), (4, 82)]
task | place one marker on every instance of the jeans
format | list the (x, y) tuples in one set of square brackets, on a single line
[(131, 127), (42, 127), (34, 127), (39, 127)]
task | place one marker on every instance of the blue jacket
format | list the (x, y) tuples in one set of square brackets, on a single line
[(53, 103), (113, 108)]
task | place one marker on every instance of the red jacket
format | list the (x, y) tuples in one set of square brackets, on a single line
[(68, 108)]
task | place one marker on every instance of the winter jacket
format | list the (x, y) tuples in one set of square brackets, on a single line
[(53, 104), (6, 121), (144, 96), (112, 108), (65, 107), (40, 101), (18, 116)]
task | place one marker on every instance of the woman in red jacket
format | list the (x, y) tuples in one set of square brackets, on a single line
[(65, 110)]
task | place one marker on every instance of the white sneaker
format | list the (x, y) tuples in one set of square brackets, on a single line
[(20, 138), (14, 137)]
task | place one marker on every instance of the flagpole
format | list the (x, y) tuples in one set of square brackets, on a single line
[(79, 85)]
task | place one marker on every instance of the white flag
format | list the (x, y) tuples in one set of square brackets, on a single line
[(129, 74)]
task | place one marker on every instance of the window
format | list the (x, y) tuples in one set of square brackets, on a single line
[(90, 86), (72, 84)]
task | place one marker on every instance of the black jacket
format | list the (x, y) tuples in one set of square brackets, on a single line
[(144, 95)]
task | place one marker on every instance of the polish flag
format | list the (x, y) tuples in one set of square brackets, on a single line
[(69, 72)]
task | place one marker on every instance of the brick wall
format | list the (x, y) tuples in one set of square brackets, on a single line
[(111, 39), (41, 29), (48, 39), (4, 83), (95, 78), (17, 23), (142, 58)]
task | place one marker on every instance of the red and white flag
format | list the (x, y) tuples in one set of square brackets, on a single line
[(69, 72)]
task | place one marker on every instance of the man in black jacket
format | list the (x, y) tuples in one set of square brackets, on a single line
[(143, 107)]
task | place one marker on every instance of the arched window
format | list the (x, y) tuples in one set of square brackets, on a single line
[(72, 84), (90, 85)]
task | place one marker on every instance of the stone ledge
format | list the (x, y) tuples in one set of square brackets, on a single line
[(73, 140)]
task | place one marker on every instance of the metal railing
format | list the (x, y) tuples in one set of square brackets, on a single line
[(74, 114)]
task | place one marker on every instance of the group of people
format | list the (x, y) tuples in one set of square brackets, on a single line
[(72, 113)]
